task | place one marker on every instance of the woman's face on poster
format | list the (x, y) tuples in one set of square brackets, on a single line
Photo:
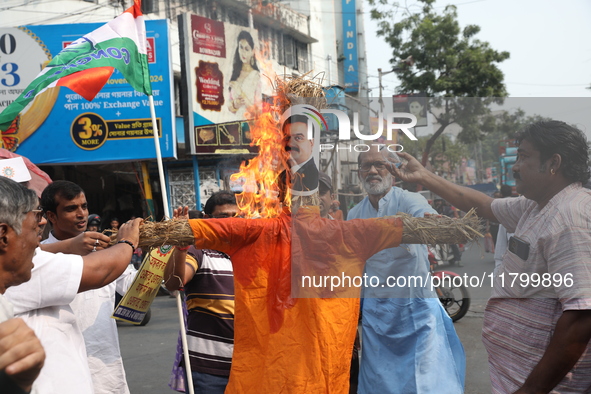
[(245, 51), (416, 109)]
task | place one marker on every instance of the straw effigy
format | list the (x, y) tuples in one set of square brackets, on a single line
[(298, 90), (430, 230)]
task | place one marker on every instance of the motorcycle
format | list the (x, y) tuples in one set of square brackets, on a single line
[(453, 295)]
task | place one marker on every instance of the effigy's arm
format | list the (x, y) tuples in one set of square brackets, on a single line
[(227, 234), (438, 230)]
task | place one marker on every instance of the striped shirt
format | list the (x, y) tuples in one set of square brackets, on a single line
[(210, 302), (519, 319)]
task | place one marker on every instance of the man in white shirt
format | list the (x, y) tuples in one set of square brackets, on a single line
[(44, 304), (66, 207), (21, 353)]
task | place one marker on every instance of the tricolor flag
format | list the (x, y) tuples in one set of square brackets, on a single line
[(86, 64)]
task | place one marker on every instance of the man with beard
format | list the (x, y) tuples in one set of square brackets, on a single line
[(409, 342)]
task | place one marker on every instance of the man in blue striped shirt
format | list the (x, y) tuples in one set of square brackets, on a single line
[(207, 277)]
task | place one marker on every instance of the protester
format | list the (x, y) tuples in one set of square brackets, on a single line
[(94, 222), (66, 208), (207, 278), (21, 353), (114, 224), (44, 304), (409, 342), (537, 337)]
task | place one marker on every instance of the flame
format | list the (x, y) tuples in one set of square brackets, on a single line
[(261, 176)]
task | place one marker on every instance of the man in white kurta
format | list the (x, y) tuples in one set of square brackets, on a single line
[(44, 303), (93, 309), (67, 210)]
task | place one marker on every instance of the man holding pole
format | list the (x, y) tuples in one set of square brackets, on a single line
[(207, 278)]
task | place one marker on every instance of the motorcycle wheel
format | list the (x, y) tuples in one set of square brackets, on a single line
[(455, 300)]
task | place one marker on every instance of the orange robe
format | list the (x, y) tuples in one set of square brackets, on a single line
[(284, 344)]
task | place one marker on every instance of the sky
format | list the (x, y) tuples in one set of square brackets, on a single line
[(549, 43)]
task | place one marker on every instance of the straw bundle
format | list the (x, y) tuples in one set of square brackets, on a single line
[(430, 230), (298, 90)]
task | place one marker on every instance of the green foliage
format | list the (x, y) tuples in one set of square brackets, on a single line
[(504, 125), (449, 64), (445, 156), (448, 60)]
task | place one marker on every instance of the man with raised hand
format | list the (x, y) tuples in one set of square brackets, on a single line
[(67, 209), (537, 323)]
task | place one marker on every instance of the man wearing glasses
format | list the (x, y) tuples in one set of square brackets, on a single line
[(21, 353), (44, 303), (409, 342), (207, 277)]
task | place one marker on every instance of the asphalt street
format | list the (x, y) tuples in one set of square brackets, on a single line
[(148, 352)]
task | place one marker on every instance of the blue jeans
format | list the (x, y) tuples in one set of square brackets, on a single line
[(204, 383)]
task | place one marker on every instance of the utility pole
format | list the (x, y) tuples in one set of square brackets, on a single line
[(381, 87), (403, 64), (328, 59)]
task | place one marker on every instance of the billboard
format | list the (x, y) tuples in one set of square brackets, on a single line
[(351, 61), (62, 127), (222, 78)]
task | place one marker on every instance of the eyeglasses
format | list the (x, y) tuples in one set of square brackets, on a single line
[(378, 165), (39, 214)]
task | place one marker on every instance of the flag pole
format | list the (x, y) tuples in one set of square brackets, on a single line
[(183, 329), (159, 158)]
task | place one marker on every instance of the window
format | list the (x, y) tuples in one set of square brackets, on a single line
[(302, 57), (289, 51), (149, 6)]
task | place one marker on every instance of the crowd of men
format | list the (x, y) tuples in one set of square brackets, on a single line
[(537, 337)]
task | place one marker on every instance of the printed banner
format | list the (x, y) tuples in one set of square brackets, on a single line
[(141, 293), (223, 79), (62, 127)]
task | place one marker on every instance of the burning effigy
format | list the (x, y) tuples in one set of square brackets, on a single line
[(284, 342)]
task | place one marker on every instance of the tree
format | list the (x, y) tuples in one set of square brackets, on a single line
[(448, 63), (506, 125)]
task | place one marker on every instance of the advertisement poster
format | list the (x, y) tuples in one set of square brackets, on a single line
[(61, 127), (416, 104), (223, 81)]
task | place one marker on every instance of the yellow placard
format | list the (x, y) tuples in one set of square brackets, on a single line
[(141, 293)]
